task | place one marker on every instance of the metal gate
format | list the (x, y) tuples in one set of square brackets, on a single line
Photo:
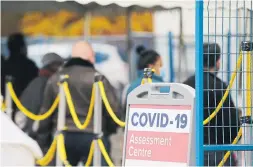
[(224, 110)]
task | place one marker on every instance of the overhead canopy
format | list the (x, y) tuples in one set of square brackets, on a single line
[(100, 7), (163, 4), (115, 6)]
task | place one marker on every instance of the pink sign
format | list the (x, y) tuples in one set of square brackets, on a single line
[(157, 134)]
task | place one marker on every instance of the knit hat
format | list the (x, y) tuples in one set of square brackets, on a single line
[(50, 58)]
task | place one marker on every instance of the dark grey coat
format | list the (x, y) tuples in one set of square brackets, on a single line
[(81, 78), (32, 98)]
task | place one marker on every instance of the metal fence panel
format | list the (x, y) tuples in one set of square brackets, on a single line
[(216, 92)]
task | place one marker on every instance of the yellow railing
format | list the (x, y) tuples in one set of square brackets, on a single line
[(26, 111), (72, 108), (59, 139)]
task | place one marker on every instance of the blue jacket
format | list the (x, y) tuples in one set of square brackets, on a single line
[(137, 82)]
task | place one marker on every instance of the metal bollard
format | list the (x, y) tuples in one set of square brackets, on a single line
[(8, 98), (247, 120), (148, 73), (97, 157), (61, 117)]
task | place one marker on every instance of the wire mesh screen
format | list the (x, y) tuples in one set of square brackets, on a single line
[(227, 82)]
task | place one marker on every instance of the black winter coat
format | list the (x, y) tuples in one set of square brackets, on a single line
[(224, 127)]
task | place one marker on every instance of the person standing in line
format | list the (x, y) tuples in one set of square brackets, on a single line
[(81, 71), (32, 96), (18, 66), (147, 59), (225, 126)]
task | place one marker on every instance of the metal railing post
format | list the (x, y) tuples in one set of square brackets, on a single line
[(61, 117), (8, 98), (199, 16), (228, 57), (171, 61), (97, 121), (246, 119)]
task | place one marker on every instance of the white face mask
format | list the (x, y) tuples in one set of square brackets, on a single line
[(162, 72)]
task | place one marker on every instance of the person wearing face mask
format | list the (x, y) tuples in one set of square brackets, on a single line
[(225, 126), (147, 59)]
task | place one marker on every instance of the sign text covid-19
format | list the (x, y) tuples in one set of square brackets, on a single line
[(157, 133)]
